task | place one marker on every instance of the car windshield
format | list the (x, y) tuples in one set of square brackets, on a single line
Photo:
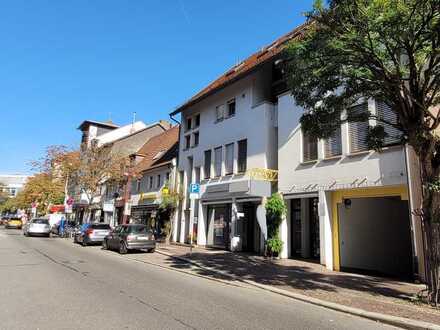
[(138, 230), (100, 226), (41, 221)]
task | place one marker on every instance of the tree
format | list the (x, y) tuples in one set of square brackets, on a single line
[(41, 189), (382, 49), (99, 165)]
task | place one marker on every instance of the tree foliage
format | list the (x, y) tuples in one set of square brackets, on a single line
[(99, 165), (387, 50)]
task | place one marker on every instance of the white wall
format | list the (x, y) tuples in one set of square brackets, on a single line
[(367, 169), (254, 123), (119, 133)]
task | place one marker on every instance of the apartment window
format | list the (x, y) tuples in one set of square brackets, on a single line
[(229, 159), (138, 185), (196, 139), (231, 108), (333, 145), (358, 130), (197, 121), (158, 181), (168, 177), (188, 124), (150, 183), (218, 161), (385, 113), (310, 148), (220, 112), (207, 165), (187, 141), (242, 156)]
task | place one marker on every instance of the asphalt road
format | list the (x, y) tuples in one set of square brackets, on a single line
[(50, 283)]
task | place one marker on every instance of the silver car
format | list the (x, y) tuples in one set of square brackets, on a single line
[(37, 227), (93, 234)]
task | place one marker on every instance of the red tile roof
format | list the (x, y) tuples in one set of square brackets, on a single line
[(247, 66), (159, 150)]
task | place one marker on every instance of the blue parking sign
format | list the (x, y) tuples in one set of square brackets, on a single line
[(194, 188)]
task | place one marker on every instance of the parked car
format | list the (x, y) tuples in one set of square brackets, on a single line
[(130, 237), (37, 227), (4, 219), (15, 223), (93, 233)]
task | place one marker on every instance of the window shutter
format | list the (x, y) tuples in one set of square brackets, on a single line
[(229, 161), (218, 161), (207, 164), (383, 111), (310, 148), (242, 156), (358, 131), (333, 145)]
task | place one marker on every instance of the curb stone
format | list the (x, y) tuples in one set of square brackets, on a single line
[(383, 318)]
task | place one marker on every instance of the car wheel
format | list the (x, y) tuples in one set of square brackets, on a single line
[(84, 243), (152, 250), (104, 245), (122, 248)]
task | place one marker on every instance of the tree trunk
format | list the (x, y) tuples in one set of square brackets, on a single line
[(430, 217)]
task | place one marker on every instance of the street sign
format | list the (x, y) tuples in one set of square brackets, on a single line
[(194, 188), (194, 191)]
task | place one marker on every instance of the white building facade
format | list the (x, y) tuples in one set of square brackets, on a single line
[(225, 141)]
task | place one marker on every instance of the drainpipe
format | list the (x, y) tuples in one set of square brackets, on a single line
[(176, 177), (410, 206)]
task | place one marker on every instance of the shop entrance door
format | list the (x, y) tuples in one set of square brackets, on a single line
[(220, 215), (249, 230)]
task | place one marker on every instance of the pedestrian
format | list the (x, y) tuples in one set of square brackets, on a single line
[(61, 227)]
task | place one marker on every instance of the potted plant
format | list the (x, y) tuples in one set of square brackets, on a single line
[(275, 211)]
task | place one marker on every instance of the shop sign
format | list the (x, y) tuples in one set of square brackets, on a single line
[(263, 174), (108, 207)]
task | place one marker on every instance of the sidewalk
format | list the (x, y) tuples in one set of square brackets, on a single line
[(372, 294)]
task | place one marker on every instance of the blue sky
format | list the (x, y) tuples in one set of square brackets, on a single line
[(66, 61)]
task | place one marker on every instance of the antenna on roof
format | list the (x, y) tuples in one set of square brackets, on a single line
[(132, 123)]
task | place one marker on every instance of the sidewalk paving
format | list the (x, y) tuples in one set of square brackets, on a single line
[(369, 293)]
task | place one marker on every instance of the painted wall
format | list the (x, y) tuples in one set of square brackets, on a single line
[(345, 172)]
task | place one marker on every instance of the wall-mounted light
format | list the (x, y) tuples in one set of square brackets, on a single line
[(347, 203)]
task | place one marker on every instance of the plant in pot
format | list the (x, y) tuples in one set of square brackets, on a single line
[(275, 211)]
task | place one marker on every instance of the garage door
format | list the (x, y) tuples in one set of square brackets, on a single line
[(374, 236)]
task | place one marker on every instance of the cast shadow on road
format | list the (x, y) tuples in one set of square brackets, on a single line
[(284, 275)]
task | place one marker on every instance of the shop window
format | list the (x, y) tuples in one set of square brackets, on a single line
[(229, 159), (168, 177), (231, 108), (218, 161), (207, 164), (150, 183), (310, 148), (158, 181), (138, 185), (333, 145), (242, 156)]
